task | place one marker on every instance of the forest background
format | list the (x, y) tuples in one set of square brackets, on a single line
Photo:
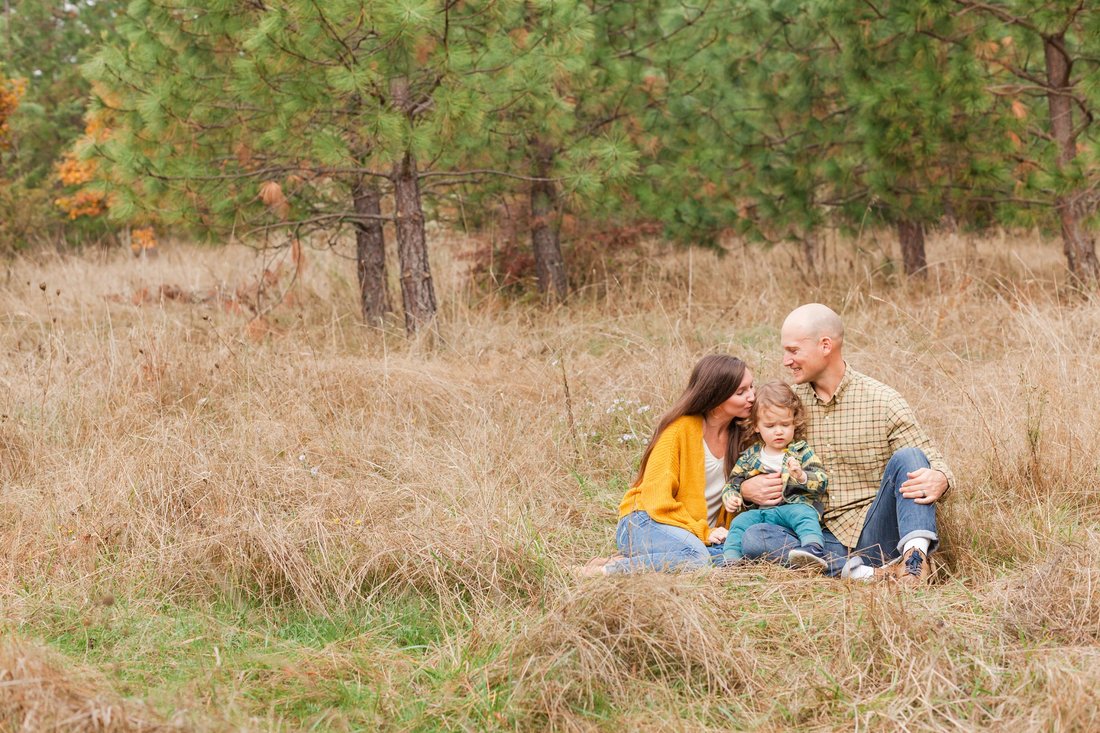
[(414, 280)]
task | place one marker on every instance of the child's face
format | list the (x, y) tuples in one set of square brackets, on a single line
[(776, 427)]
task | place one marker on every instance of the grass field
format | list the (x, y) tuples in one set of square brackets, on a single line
[(212, 521)]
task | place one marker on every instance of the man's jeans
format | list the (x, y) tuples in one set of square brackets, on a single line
[(892, 521), (801, 519), (650, 545)]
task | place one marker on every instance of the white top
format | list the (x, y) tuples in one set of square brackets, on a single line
[(716, 481), (771, 461)]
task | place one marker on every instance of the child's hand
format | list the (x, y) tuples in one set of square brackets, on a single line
[(732, 502), (795, 469)]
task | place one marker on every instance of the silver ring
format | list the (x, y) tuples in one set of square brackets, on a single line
[(924, 494)]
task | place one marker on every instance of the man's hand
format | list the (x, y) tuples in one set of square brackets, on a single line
[(717, 535), (794, 468), (732, 502), (924, 486), (764, 489)]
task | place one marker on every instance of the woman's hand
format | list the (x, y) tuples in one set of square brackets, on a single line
[(717, 535), (764, 489)]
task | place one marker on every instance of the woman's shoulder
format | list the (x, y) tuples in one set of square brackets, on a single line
[(685, 424)]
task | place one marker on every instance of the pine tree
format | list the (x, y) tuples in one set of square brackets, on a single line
[(330, 106), (741, 140), (1040, 60), (787, 114), (919, 114), (42, 45), (559, 149)]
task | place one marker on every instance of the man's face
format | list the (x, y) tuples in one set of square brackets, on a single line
[(802, 354)]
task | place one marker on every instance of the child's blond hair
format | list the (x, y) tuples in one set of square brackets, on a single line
[(775, 395)]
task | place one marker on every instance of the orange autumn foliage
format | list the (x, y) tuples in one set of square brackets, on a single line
[(11, 92), (72, 171), (81, 203), (143, 240), (271, 193), (425, 47)]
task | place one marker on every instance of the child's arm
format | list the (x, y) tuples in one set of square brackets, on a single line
[(794, 468), (814, 482), (731, 493)]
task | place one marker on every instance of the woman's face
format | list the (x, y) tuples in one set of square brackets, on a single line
[(738, 404)]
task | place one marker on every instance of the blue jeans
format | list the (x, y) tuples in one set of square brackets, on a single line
[(892, 521), (801, 519), (650, 545)]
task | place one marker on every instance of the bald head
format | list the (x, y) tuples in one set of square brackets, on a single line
[(814, 321), (812, 338)]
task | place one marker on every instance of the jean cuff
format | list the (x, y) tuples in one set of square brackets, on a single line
[(813, 539), (920, 534), (618, 567)]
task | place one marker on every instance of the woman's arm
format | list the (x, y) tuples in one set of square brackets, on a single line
[(660, 485)]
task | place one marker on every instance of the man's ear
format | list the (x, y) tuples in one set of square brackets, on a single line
[(826, 345)]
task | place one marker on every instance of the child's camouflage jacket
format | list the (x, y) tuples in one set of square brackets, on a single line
[(812, 492)]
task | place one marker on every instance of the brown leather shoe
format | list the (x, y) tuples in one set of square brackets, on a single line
[(915, 569), (884, 574)]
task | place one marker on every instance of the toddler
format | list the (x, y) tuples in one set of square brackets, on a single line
[(779, 418)]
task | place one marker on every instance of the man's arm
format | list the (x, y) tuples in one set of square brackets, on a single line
[(924, 485)]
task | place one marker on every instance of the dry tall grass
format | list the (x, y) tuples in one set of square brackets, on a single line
[(165, 449), (39, 692)]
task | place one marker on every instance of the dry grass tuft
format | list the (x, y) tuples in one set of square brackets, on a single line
[(40, 691), (599, 640), (1058, 598)]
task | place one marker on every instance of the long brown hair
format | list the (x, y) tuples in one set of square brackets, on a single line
[(713, 380)]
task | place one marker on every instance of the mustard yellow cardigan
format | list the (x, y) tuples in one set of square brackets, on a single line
[(671, 491)]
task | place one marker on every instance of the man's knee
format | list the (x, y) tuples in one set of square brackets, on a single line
[(908, 458), (764, 540)]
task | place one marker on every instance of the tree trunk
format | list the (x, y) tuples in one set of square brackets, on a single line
[(545, 233), (417, 293), (809, 251), (370, 252), (1076, 241), (911, 237)]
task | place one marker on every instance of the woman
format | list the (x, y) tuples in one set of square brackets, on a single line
[(672, 517)]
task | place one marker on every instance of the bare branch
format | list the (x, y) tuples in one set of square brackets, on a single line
[(999, 13), (483, 172)]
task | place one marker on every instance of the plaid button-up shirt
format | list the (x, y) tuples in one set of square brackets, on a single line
[(854, 434)]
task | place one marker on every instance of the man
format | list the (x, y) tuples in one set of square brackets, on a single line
[(885, 476)]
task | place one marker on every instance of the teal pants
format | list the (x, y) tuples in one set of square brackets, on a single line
[(801, 519)]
